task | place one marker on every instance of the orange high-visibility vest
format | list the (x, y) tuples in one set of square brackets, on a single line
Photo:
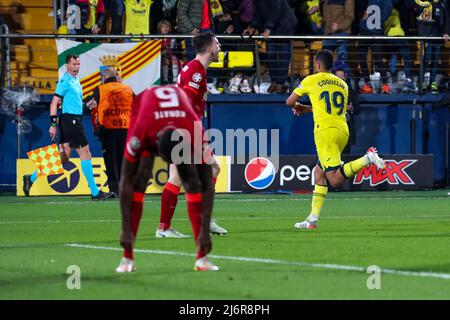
[(114, 107)]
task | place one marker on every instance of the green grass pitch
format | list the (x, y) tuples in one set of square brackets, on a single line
[(406, 234)]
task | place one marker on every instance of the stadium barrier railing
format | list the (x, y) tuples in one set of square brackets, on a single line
[(285, 60), (5, 72), (256, 66)]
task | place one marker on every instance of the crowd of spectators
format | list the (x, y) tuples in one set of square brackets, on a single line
[(373, 65)]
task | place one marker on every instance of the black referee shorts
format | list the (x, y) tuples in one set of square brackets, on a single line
[(71, 131)]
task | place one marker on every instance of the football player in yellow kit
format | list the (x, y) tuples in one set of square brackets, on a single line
[(329, 98)]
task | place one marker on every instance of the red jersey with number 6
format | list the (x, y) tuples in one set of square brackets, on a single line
[(192, 79), (154, 110)]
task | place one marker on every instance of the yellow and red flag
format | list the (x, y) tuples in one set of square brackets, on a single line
[(139, 63), (46, 160)]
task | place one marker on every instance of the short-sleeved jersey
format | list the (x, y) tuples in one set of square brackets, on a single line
[(154, 110), (70, 91), (138, 15), (192, 79), (329, 98)]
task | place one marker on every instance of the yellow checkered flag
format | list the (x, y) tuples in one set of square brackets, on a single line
[(46, 160)]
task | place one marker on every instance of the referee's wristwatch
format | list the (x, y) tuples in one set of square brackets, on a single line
[(53, 121)]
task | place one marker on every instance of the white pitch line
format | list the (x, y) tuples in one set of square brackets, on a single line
[(308, 198), (231, 219), (83, 203), (424, 274), (158, 200)]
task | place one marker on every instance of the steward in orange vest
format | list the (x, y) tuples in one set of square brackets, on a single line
[(110, 114)]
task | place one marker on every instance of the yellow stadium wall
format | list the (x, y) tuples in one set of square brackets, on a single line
[(72, 181)]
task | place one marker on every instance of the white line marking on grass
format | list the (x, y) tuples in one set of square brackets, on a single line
[(57, 221), (158, 200), (307, 198), (443, 216), (118, 220), (424, 274)]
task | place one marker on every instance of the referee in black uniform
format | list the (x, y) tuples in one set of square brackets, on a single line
[(71, 136)]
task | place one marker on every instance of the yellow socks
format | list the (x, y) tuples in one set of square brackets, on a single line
[(319, 195), (352, 168)]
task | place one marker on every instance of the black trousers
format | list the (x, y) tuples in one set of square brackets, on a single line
[(113, 145)]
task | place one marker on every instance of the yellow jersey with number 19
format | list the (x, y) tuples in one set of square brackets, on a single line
[(329, 98)]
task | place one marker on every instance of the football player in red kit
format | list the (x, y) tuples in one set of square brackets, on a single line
[(160, 114), (192, 79)]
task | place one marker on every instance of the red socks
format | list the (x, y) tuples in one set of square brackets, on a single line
[(136, 214), (194, 206), (169, 199)]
